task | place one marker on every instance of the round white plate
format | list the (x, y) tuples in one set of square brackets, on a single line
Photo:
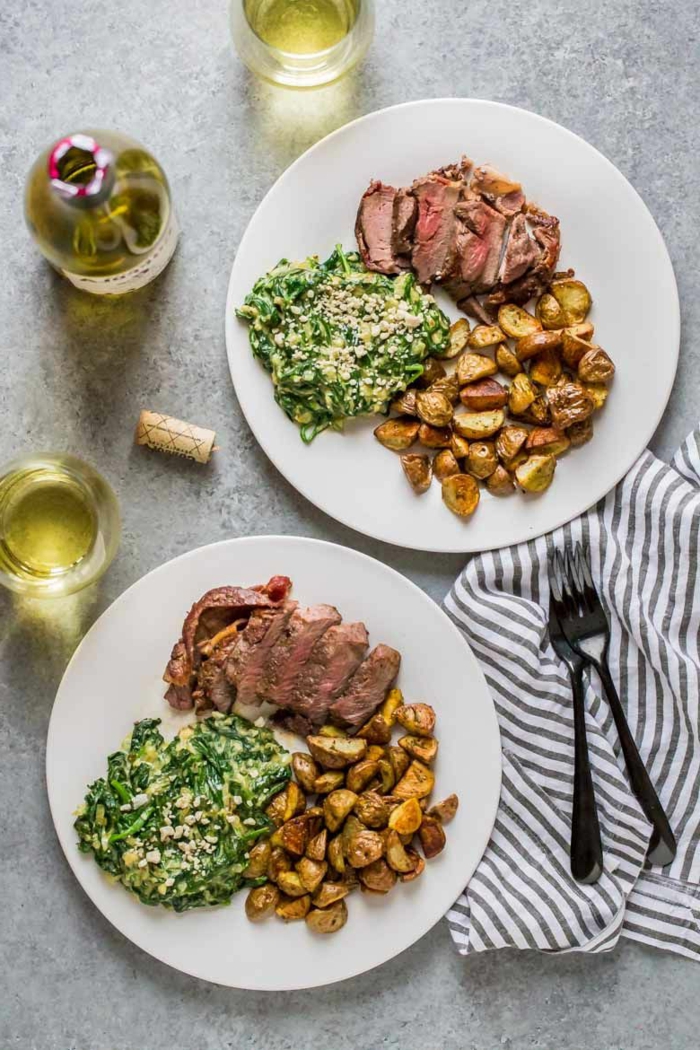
[(608, 236), (114, 679)]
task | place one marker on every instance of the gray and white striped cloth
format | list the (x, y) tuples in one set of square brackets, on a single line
[(644, 544)]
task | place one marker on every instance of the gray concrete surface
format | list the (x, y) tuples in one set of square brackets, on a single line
[(75, 373)]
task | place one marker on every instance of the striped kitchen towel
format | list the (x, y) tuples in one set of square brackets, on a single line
[(644, 542)]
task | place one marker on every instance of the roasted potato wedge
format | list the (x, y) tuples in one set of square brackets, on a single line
[(294, 835), (580, 433), (305, 770), (573, 348), (417, 782), (421, 747), (406, 817), (460, 494), (329, 781), (289, 803), (293, 908), (473, 367), (336, 807), (336, 857), (459, 446), (262, 902), (449, 386), (311, 873), (396, 856), (445, 464), (419, 471), (280, 862), (394, 700), (573, 297), (316, 849), (258, 860), (377, 877), (290, 884), (459, 334), (399, 761), (521, 394), (536, 473), (517, 322), (432, 837), (376, 731), (359, 775), (596, 366), (485, 335), (500, 483), (328, 893), (362, 846), (536, 343), (538, 413), (482, 459), (510, 440), (598, 393), (546, 368), (375, 752), (433, 407), (507, 361), (584, 330), (329, 730), (371, 810), (549, 312), (569, 403), (477, 426), (405, 404), (336, 752), (328, 920), (445, 810), (419, 868), (547, 440), (483, 395), (387, 777), (432, 371), (397, 434), (434, 437)]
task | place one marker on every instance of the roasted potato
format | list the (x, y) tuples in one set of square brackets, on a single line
[(405, 404), (485, 335), (417, 782), (328, 893), (361, 845), (432, 371), (396, 856), (445, 810), (316, 849), (449, 386), (477, 426), (374, 753), (521, 394), (547, 440), (595, 366), (336, 807), (536, 343), (397, 434), (399, 761), (290, 884), (329, 781), (459, 446), (473, 367), (517, 322), (445, 464), (311, 873), (500, 483), (569, 403), (293, 908), (290, 802), (359, 775), (573, 348), (507, 361), (371, 810), (258, 860), (279, 863), (387, 777), (433, 407), (584, 330), (294, 835), (536, 473), (406, 817), (421, 747), (510, 440), (432, 836), (538, 413), (305, 770), (546, 368), (328, 920), (377, 877), (336, 857), (482, 459), (598, 393), (329, 730), (573, 297), (376, 731), (262, 901), (419, 868), (419, 471), (580, 433), (550, 312), (336, 752), (459, 334), (460, 494), (483, 395), (434, 437)]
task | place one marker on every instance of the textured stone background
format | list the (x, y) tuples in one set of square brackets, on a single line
[(75, 372)]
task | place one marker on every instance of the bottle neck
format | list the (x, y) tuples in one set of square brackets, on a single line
[(81, 171)]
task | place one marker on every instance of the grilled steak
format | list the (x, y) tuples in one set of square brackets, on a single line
[(489, 227), (248, 671), (535, 280), (404, 215), (374, 229), (433, 242), (367, 688), (292, 651), (334, 660), (520, 254), (510, 204)]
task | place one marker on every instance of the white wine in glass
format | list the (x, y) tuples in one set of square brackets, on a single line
[(99, 208)]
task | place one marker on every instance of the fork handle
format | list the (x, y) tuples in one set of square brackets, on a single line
[(586, 847), (662, 847)]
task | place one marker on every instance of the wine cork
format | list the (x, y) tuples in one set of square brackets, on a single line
[(168, 434)]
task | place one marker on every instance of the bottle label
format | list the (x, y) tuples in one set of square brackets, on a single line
[(149, 267)]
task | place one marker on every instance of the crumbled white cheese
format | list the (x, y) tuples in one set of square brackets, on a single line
[(237, 800), (250, 821), (126, 807), (259, 722), (153, 856), (143, 863), (166, 832), (139, 800)]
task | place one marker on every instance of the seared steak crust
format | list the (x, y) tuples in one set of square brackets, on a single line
[(367, 688)]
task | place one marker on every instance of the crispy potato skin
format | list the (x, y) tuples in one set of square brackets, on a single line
[(573, 348), (336, 752), (406, 818), (509, 441), (432, 371), (535, 343), (418, 470), (433, 407), (517, 322), (445, 464), (378, 877), (596, 366), (485, 335), (580, 433), (417, 782), (459, 334), (328, 920), (419, 868), (371, 810), (573, 298), (292, 909), (359, 775), (262, 902), (500, 483), (536, 473), (459, 446), (376, 731), (449, 386), (569, 403), (472, 367), (432, 837), (460, 493), (549, 312), (521, 394), (446, 809), (506, 361), (405, 404), (547, 440), (483, 395), (546, 368), (336, 807), (397, 434), (434, 437), (259, 860), (305, 770), (423, 748), (482, 459)]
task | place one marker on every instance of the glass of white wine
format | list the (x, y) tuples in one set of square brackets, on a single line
[(59, 525), (301, 43)]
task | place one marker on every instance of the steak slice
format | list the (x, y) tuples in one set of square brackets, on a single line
[(247, 664), (521, 252), (535, 280), (374, 229), (510, 204), (367, 688), (479, 243), (333, 662), (433, 242), (473, 308), (403, 223), (292, 651)]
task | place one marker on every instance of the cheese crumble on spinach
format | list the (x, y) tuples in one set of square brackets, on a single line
[(174, 823), (339, 340)]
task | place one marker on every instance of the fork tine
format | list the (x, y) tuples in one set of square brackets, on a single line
[(571, 591), (554, 578), (591, 594)]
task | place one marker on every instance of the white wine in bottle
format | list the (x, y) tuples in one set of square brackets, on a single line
[(98, 206)]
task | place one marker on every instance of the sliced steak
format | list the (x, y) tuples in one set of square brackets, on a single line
[(374, 229), (473, 308), (246, 666), (403, 223), (433, 240), (510, 204), (213, 687), (367, 688), (489, 228), (333, 662), (292, 651), (535, 280), (180, 697), (521, 252)]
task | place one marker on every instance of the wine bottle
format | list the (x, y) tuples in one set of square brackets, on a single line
[(98, 206)]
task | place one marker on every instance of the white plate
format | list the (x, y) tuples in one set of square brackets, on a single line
[(608, 236), (114, 679)]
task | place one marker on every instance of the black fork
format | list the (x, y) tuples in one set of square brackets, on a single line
[(586, 627), (586, 850)]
